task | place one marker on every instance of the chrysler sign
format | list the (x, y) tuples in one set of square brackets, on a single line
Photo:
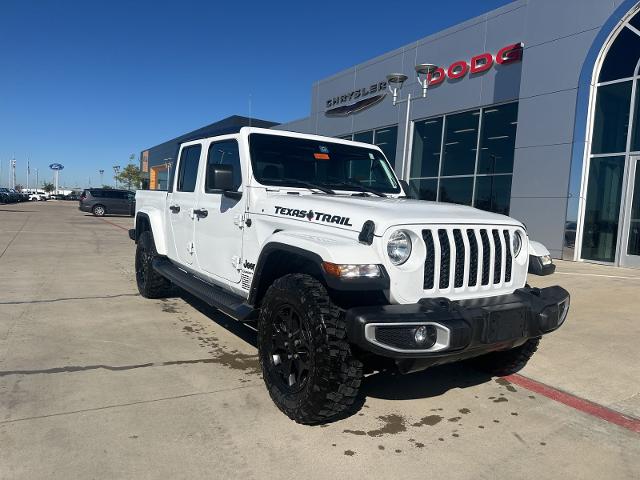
[(356, 101), (363, 98)]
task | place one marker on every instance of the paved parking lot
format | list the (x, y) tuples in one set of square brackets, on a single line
[(97, 382)]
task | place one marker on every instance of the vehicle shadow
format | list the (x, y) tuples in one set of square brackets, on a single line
[(244, 331), (433, 382), (388, 384)]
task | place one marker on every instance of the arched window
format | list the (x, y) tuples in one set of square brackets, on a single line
[(615, 136)]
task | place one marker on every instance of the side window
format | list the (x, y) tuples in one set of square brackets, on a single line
[(188, 168), (95, 193), (225, 153)]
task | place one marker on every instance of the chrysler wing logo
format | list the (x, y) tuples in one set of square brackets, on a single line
[(356, 107)]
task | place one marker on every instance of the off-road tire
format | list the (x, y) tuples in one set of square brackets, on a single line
[(98, 210), (334, 375), (150, 283), (507, 362)]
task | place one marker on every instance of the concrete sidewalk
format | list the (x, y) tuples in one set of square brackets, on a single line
[(97, 382)]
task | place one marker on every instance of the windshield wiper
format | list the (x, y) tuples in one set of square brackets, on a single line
[(360, 187), (309, 185)]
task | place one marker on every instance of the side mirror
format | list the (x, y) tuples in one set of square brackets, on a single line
[(220, 177)]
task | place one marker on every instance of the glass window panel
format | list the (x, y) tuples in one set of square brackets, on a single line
[(387, 139), (493, 193), (425, 154), (461, 140), (225, 153), (603, 208), (635, 129), (498, 139), (612, 118), (346, 137), (456, 190), (188, 172), (425, 189), (635, 21), (365, 137), (634, 225), (622, 57)]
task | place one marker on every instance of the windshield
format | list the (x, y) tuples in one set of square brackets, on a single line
[(290, 162)]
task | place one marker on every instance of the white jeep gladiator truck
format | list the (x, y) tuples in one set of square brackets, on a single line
[(315, 239)]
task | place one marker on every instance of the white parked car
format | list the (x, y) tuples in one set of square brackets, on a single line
[(315, 239)]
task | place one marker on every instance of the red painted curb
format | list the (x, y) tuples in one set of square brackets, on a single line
[(580, 404)]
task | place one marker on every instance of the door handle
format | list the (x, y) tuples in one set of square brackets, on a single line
[(174, 208), (201, 212)]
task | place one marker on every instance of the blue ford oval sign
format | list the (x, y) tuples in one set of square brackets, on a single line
[(56, 166)]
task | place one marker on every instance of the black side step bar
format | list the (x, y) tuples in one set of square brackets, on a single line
[(233, 305)]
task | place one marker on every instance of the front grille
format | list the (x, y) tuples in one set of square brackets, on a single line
[(445, 258), (467, 258)]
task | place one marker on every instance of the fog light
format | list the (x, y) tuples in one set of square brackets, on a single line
[(425, 336), (546, 260)]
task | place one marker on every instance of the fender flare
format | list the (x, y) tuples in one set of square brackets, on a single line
[(156, 229), (280, 248)]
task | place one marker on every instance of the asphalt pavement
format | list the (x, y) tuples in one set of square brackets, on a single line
[(97, 382)]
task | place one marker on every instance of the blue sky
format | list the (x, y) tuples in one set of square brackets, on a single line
[(87, 83)]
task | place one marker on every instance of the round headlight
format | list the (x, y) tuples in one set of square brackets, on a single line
[(399, 247), (517, 243)]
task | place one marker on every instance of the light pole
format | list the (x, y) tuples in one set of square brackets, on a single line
[(116, 171), (13, 173), (101, 174), (394, 84), (169, 164)]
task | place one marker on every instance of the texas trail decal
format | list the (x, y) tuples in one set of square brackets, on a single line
[(311, 216)]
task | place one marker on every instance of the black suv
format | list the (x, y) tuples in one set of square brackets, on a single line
[(102, 201)]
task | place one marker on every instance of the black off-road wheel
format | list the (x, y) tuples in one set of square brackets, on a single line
[(150, 283), (307, 363), (507, 362)]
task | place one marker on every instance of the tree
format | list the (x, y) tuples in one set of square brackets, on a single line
[(19, 187), (131, 176), (48, 187)]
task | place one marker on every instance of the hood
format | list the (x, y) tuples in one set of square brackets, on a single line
[(351, 212)]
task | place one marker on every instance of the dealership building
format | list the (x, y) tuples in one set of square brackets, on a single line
[(533, 111)]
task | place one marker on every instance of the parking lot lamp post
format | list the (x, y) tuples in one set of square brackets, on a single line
[(169, 164), (101, 174), (116, 171), (394, 84)]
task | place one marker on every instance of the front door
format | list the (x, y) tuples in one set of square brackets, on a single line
[(182, 202), (218, 235), (630, 254)]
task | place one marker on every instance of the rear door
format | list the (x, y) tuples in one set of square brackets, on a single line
[(182, 202), (218, 235), (117, 202)]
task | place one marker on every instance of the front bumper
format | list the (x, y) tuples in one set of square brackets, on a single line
[(461, 329)]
